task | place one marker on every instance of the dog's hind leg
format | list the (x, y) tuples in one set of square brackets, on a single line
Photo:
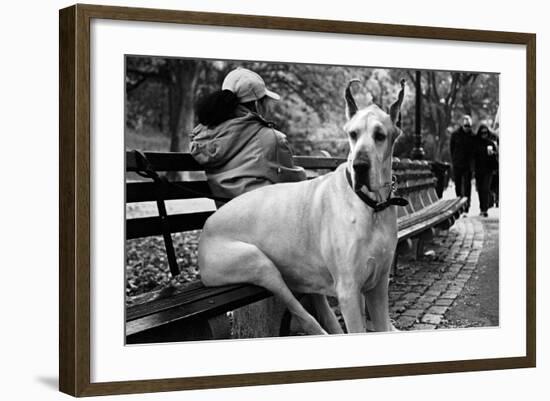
[(326, 316), (225, 261)]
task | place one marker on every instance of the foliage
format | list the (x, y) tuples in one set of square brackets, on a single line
[(161, 94), (147, 266)]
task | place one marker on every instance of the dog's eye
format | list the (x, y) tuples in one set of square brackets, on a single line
[(379, 136), (353, 135)]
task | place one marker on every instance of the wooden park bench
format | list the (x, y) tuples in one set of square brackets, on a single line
[(199, 312)]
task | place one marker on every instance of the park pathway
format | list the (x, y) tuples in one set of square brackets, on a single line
[(455, 284)]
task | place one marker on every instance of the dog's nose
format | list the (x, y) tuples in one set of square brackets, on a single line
[(361, 166)]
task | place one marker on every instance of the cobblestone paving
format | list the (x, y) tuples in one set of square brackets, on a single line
[(422, 291)]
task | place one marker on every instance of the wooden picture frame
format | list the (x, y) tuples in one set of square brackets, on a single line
[(74, 204)]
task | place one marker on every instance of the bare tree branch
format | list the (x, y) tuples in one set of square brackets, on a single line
[(143, 76)]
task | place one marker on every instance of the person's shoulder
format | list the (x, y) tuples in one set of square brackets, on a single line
[(280, 135), (269, 136), (262, 121), (267, 126)]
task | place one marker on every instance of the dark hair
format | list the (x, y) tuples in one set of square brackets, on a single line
[(217, 107), (483, 127), (251, 106)]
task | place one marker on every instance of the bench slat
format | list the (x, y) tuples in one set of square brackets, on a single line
[(167, 161), (149, 226), (206, 307), (145, 191), (310, 162), (431, 219), (192, 293), (416, 217), (407, 188), (164, 161)]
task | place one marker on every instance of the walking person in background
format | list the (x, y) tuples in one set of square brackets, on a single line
[(494, 187), (461, 149), (239, 149), (486, 163)]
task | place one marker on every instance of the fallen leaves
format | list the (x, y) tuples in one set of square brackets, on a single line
[(147, 266)]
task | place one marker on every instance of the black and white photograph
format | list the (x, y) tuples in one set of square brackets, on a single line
[(244, 200), (268, 199)]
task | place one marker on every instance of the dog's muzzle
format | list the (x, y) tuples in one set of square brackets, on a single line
[(361, 168)]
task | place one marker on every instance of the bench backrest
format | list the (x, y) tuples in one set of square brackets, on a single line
[(146, 191), (415, 181)]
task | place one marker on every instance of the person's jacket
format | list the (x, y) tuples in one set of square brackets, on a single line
[(242, 154), (483, 161), (462, 148)]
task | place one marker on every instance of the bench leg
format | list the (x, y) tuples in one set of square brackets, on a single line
[(220, 327), (393, 271), (271, 318), (260, 319), (423, 239), (407, 249), (445, 225)]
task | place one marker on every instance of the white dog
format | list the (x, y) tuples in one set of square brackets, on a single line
[(334, 235)]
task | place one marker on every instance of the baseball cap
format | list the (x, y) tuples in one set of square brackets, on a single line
[(247, 85)]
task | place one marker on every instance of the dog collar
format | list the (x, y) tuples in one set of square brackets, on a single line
[(378, 206)]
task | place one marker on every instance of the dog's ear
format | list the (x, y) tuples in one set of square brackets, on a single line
[(351, 106), (396, 134), (395, 109)]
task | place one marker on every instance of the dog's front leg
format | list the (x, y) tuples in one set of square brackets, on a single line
[(352, 306), (377, 304)]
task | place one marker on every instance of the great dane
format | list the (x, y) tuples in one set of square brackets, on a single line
[(334, 235)]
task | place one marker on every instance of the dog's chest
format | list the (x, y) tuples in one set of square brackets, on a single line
[(372, 238), (374, 256), (378, 241)]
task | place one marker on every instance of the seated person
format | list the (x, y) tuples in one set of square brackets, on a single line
[(237, 147)]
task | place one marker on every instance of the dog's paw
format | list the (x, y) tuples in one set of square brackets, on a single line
[(370, 326), (393, 328)]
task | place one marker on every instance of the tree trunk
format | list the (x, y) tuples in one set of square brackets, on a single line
[(181, 95), (182, 98), (467, 99), (443, 134), (444, 122)]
